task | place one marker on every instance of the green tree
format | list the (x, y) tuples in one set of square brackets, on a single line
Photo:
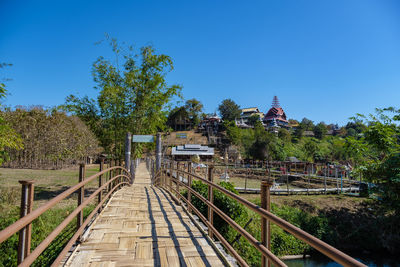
[(252, 120), (307, 124), (320, 130), (266, 145), (311, 148), (233, 133), (9, 139), (378, 148), (351, 132), (355, 126), (284, 135), (133, 94), (194, 108), (298, 131), (229, 110)]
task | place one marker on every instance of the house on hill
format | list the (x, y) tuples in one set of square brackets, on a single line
[(243, 121), (275, 117)]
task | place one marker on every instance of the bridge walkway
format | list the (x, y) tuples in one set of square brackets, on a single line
[(141, 226)]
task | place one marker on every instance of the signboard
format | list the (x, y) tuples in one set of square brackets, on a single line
[(181, 135), (142, 138)]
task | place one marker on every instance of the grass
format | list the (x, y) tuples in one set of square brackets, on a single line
[(48, 184), (53, 178), (241, 182)]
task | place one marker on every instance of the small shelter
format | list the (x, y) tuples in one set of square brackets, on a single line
[(186, 151)]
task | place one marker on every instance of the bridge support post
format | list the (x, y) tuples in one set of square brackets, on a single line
[(24, 243), (265, 224), (211, 199), (128, 144), (81, 196)]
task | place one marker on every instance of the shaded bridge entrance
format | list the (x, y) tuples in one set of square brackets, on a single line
[(141, 226)]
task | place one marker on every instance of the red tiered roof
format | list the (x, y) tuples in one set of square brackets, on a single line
[(276, 113)]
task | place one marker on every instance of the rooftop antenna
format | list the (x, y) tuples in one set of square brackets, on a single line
[(275, 102)]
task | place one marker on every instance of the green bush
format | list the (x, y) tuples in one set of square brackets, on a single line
[(229, 206), (41, 228), (282, 243)]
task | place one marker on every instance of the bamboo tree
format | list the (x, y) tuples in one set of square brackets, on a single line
[(133, 95)]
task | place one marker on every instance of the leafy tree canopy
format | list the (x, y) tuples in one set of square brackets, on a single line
[(133, 94), (229, 110), (320, 130), (252, 120), (9, 139), (377, 149), (306, 124), (194, 108)]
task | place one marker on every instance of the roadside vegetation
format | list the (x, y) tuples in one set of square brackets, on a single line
[(51, 139), (48, 184)]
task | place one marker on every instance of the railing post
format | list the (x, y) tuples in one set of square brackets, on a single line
[(265, 224), (309, 183), (81, 195), (101, 181), (287, 179), (177, 180), (189, 199), (128, 143), (24, 243), (211, 199), (152, 170), (110, 175), (132, 170), (158, 152), (171, 165), (164, 174)]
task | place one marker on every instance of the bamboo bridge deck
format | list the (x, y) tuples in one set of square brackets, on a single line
[(142, 226)]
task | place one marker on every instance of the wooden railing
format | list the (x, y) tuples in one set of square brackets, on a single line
[(171, 177), (109, 180)]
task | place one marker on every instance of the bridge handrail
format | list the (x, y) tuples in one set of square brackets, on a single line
[(316, 243), (26, 220)]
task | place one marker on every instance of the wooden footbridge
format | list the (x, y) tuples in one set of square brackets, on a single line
[(148, 221), (141, 226)]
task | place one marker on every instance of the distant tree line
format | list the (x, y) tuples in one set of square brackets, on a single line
[(50, 138)]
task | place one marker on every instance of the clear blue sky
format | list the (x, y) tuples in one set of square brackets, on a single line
[(325, 60)]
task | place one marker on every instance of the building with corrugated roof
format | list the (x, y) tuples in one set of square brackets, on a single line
[(186, 151)]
